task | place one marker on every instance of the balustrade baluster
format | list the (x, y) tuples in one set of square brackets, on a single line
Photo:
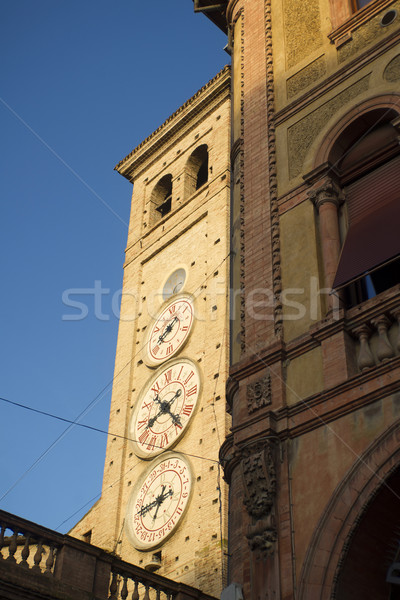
[(147, 593), (124, 591), (50, 560), (114, 587), (12, 547), (135, 595), (365, 360), (158, 594), (37, 559), (384, 350), (25, 552)]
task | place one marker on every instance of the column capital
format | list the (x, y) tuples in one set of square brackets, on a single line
[(327, 191)]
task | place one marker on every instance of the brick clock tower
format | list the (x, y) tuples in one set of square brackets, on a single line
[(164, 502), (313, 457)]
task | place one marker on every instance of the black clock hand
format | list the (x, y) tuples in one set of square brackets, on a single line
[(165, 409), (157, 502), (145, 509), (151, 421), (167, 330), (160, 499), (176, 419)]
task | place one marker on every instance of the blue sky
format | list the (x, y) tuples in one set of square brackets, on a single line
[(83, 82)]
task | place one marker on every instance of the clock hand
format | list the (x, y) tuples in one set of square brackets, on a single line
[(159, 502), (145, 509), (176, 395), (167, 330), (164, 408), (176, 420), (151, 421), (160, 499)]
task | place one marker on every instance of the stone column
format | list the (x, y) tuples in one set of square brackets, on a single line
[(327, 199)]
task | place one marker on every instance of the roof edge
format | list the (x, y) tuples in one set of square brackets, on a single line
[(123, 163)]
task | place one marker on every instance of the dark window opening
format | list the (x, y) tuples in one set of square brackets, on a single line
[(202, 174), (196, 170), (372, 284), (161, 199), (368, 159), (165, 206), (87, 537)]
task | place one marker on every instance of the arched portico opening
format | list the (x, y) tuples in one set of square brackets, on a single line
[(373, 548), (325, 566)]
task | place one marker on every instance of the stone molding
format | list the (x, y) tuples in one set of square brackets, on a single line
[(273, 178)]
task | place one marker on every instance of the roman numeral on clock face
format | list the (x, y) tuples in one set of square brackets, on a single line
[(187, 409)]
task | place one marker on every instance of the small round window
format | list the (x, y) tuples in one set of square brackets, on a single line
[(174, 283)]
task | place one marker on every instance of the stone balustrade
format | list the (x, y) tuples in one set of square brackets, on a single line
[(34, 559), (376, 327), (26, 546)]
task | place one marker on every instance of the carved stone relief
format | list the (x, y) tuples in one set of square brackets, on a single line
[(259, 393), (259, 483)]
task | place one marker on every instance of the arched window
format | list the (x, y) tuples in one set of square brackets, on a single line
[(196, 171), (161, 199), (366, 157)]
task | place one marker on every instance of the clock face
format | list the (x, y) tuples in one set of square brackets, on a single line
[(170, 331), (159, 501), (174, 283), (165, 407)]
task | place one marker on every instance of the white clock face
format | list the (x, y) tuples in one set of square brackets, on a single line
[(165, 407), (159, 501), (170, 331)]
